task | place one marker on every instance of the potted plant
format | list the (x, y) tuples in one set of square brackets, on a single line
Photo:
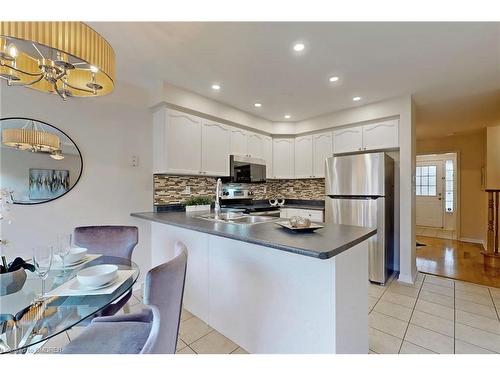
[(13, 275), (201, 203)]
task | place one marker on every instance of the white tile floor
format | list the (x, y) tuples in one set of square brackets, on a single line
[(436, 232), (436, 315), (195, 336)]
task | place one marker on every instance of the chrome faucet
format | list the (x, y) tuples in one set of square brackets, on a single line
[(218, 191)]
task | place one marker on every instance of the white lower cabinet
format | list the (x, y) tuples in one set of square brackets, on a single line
[(283, 158), (313, 215), (215, 149)]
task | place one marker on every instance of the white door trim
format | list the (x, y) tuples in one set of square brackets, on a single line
[(445, 155)]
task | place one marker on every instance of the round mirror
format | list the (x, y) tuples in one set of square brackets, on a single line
[(38, 162)]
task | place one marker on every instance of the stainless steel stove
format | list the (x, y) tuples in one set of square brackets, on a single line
[(239, 198)]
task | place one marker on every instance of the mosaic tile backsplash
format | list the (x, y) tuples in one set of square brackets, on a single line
[(176, 189)]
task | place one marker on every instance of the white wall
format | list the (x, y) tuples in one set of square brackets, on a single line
[(108, 130)]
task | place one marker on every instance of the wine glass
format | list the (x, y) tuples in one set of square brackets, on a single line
[(42, 260), (64, 244)]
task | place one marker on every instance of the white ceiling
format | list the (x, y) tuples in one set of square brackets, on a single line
[(452, 69)]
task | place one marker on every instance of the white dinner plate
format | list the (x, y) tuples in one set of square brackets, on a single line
[(78, 262), (76, 285)]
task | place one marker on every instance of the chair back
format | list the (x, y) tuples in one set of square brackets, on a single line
[(111, 240), (164, 289)]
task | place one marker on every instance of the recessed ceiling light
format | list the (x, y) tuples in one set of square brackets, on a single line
[(333, 79), (216, 87), (287, 116), (258, 105), (297, 47), (356, 98)]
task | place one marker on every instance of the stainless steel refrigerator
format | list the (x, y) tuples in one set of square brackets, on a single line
[(360, 191)]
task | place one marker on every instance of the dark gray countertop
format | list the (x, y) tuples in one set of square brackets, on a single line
[(324, 243)]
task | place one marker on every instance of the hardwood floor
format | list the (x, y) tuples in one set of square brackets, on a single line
[(454, 259)]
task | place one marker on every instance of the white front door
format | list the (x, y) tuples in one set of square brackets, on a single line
[(429, 191)]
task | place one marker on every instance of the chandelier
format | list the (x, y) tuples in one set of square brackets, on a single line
[(31, 137), (65, 58)]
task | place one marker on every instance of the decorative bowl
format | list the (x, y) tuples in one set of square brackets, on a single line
[(286, 224), (12, 282), (97, 275)]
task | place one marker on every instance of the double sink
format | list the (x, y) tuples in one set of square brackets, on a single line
[(237, 218)]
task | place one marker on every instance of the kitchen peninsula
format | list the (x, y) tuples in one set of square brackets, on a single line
[(268, 289)]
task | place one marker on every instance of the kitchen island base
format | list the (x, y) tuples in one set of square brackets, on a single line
[(272, 301)]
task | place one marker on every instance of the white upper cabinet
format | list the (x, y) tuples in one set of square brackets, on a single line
[(185, 144), (239, 142), (283, 157), (376, 136), (268, 156), (322, 148), (182, 143), (381, 135), (215, 148), (304, 157), (348, 139), (256, 145)]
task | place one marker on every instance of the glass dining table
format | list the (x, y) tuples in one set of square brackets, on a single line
[(25, 325)]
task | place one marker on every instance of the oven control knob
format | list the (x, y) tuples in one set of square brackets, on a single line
[(250, 192)]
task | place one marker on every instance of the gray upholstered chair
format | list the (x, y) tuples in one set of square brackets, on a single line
[(164, 288), (111, 240), (119, 334), (155, 330)]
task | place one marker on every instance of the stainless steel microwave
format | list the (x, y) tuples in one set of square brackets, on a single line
[(245, 169)]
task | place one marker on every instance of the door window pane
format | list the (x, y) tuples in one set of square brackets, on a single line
[(449, 187), (426, 180)]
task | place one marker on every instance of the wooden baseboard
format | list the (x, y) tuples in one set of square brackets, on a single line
[(473, 240)]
